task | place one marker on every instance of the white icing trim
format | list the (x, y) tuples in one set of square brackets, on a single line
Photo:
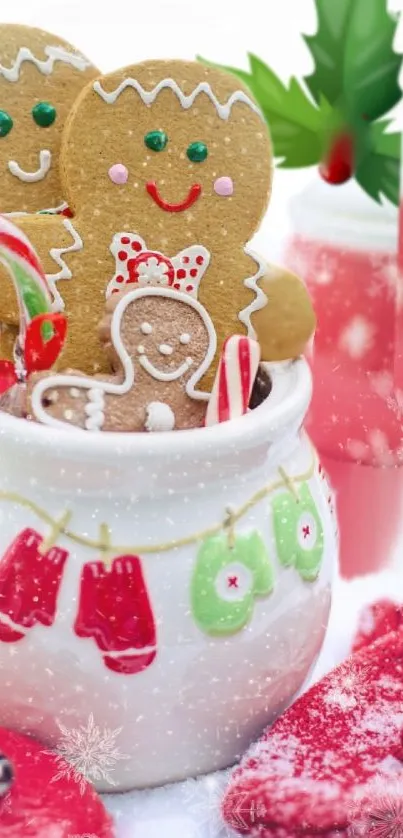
[(164, 376), (46, 67), (148, 96), (65, 273), (144, 650), (88, 383), (54, 210), (50, 211), (160, 417), (260, 299), (45, 162), (95, 409)]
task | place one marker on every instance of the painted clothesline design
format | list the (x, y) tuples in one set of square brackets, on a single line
[(59, 527)]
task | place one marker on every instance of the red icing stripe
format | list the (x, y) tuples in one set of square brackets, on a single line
[(244, 361), (19, 248), (192, 196), (223, 394)]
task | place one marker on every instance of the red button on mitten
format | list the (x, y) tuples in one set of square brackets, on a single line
[(329, 748), (115, 611), (29, 585)]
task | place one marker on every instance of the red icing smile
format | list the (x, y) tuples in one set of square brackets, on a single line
[(190, 199)]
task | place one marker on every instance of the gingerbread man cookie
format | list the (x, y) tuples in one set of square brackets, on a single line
[(167, 166), (160, 341), (40, 77)]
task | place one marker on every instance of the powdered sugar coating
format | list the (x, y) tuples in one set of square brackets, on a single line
[(327, 748)]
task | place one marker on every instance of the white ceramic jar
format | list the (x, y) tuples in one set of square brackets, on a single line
[(213, 599)]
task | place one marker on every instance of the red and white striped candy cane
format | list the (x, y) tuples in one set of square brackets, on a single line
[(234, 380)]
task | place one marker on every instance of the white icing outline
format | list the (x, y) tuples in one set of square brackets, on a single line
[(260, 299), (53, 210), (48, 211), (46, 67), (148, 96), (164, 376), (54, 381), (45, 162), (56, 254)]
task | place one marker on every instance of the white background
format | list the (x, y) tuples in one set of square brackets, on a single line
[(114, 33)]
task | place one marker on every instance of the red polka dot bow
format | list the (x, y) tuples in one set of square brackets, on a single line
[(135, 265)]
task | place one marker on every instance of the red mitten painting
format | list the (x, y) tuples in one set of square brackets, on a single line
[(29, 585), (327, 751), (115, 611)]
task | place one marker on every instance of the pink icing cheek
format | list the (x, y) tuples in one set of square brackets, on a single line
[(118, 173), (224, 186)]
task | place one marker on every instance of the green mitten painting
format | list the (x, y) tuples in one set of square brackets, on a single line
[(298, 532), (226, 581)]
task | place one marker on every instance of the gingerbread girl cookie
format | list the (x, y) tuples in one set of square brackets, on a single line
[(40, 77), (167, 166), (160, 341)]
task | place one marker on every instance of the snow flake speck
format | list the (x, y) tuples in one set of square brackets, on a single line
[(324, 277), (87, 753), (357, 337), (381, 383), (380, 446), (340, 699)]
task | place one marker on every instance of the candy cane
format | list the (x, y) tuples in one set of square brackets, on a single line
[(41, 333), (30, 283), (234, 380)]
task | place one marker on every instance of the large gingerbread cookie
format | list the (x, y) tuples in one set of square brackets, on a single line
[(41, 75), (160, 341), (167, 167)]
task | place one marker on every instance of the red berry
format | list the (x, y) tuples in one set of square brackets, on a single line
[(339, 164)]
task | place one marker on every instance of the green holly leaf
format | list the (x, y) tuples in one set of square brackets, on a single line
[(296, 124), (355, 64), (379, 171), (240, 74)]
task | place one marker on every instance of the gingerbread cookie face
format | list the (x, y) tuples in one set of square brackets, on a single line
[(160, 342), (169, 145), (40, 77), (169, 336)]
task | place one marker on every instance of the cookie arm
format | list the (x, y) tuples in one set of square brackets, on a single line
[(287, 321), (44, 232)]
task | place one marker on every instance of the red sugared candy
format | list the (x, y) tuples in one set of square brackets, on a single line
[(326, 751), (376, 620), (40, 806)]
